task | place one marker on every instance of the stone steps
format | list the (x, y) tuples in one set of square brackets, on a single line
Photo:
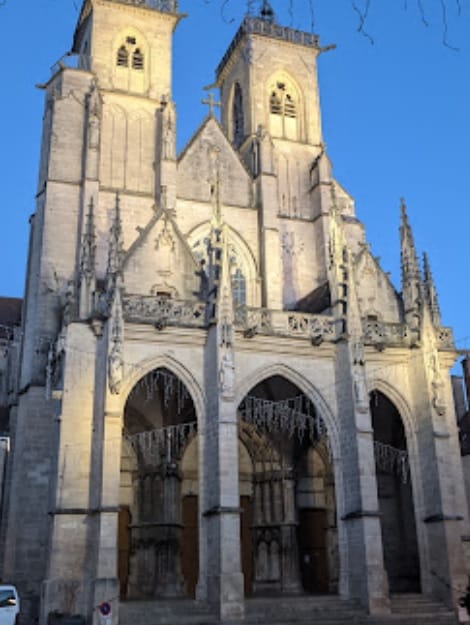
[(314, 610)]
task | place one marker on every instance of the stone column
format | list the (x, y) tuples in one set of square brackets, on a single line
[(106, 467), (220, 509), (443, 517), (271, 263), (169, 580), (67, 588), (290, 556), (363, 576)]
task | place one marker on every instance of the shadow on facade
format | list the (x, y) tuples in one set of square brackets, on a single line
[(395, 492)]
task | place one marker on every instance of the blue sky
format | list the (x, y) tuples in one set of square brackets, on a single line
[(396, 118)]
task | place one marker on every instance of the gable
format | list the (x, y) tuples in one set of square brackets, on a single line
[(376, 294), (160, 262), (209, 153)]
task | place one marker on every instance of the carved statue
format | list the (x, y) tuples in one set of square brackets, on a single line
[(115, 369), (168, 136), (94, 112), (226, 333), (360, 391), (227, 376), (358, 353)]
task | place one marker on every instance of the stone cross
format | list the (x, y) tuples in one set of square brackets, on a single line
[(211, 102)]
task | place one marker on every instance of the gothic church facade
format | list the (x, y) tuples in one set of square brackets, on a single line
[(217, 392)]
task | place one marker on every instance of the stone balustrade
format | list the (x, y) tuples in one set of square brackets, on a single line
[(317, 328), (383, 334), (163, 311)]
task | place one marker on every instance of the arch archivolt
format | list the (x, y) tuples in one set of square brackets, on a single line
[(139, 370), (252, 378), (394, 395), (410, 427), (245, 258)]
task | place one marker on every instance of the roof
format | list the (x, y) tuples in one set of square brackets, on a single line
[(316, 301)]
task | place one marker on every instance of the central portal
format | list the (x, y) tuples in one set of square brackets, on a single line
[(288, 534)]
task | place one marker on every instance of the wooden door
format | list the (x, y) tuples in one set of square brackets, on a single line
[(190, 544), (246, 542), (312, 550), (124, 521)]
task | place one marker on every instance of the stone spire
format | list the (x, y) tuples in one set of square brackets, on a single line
[(87, 277), (116, 252), (430, 293), (410, 277)]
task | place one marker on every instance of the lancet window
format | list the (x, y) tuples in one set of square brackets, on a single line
[(238, 121), (127, 50), (239, 287), (282, 102), (122, 57), (283, 109), (137, 59)]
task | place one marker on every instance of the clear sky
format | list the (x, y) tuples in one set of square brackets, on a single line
[(396, 117)]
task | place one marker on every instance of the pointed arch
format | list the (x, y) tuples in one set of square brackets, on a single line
[(141, 369), (396, 398), (238, 121), (253, 378), (241, 254), (131, 53), (284, 101)]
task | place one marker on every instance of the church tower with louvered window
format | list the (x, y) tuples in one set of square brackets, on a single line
[(217, 393)]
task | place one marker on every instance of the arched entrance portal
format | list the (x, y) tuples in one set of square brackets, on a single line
[(293, 533), (287, 499), (400, 545), (159, 424)]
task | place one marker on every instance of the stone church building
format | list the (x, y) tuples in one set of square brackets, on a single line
[(216, 392)]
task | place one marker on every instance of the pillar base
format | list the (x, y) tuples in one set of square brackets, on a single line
[(226, 596), (62, 596)]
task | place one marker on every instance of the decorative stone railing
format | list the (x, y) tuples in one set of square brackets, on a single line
[(260, 26), (317, 328), (165, 6), (163, 311), (381, 334)]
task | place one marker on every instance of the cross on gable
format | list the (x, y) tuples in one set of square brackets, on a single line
[(211, 102)]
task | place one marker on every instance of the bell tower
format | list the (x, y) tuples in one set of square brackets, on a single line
[(268, 79), (127, 44), (108, 136)]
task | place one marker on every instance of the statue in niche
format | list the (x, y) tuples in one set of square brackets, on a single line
[(358, 353), (226, 333), (94, 113), (203, 293), (438, 400), (168, 134), (227, 376), (69, 304), (361, 394), (115, 369)]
